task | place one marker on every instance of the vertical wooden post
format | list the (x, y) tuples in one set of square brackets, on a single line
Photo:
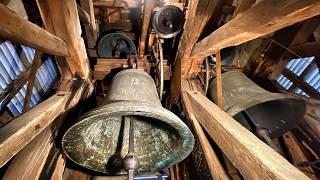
[(91, 28), (148, 8), (219, 80)]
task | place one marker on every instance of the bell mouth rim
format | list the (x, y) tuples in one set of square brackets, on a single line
[(147, 110), (298, 114)]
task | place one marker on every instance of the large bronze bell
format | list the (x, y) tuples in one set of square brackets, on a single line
[(99, 142), (251, 105)]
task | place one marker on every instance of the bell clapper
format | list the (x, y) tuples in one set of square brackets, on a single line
[(130, 161)]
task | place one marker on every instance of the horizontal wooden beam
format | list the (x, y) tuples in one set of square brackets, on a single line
[(262, 19), (307, 49), (16, 28), (301, 84), (117, 4), (253, 158), (104, 67)]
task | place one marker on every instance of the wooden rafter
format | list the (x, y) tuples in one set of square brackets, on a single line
[(32, 78), (216, 169), (22, 130), (256, 22), (16, 28), (253, 158), (61, 18), (83, 15), (299, 83), (148, 8), (91, 27), (197, 17)]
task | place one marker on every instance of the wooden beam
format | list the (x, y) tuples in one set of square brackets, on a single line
[(29, 162), (147, 10), (253, 158), (297, 155), (305, 50), (61, 18), (216, 169), (59, 168), (91, 27), (16, 28), (299, 83), (19, 132), (32, 78), (197, 17), (117, 4), (83, 15), (256, 22), (219, 80), (242, 6)]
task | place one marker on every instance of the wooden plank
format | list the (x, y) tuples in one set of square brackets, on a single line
[(299, 83), (147, 10), (32, 78), (83, 15), (253, 158), (123, 26), (61, 17), (16, 28), (219, 80), (91, 27), (256, 22), (232, 171), (242, 6), (216, 169), (29, 162), (59, 169), (297, 155), (19, 132), (198, 15), (305, 50), (126, 4)]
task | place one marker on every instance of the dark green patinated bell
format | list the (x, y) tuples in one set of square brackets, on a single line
[(256, 108), (99, 142)]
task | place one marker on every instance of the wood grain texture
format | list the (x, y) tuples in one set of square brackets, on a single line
[(19, 132), (216, 169), (256, 22), (16, 28), (199, 12), (83, 15), (297, 155), (147, 11), (253, 158), (61, 17), (126, 4), (219, 80), (29, 162), (32, 78), (91, 27), (59, 169)]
